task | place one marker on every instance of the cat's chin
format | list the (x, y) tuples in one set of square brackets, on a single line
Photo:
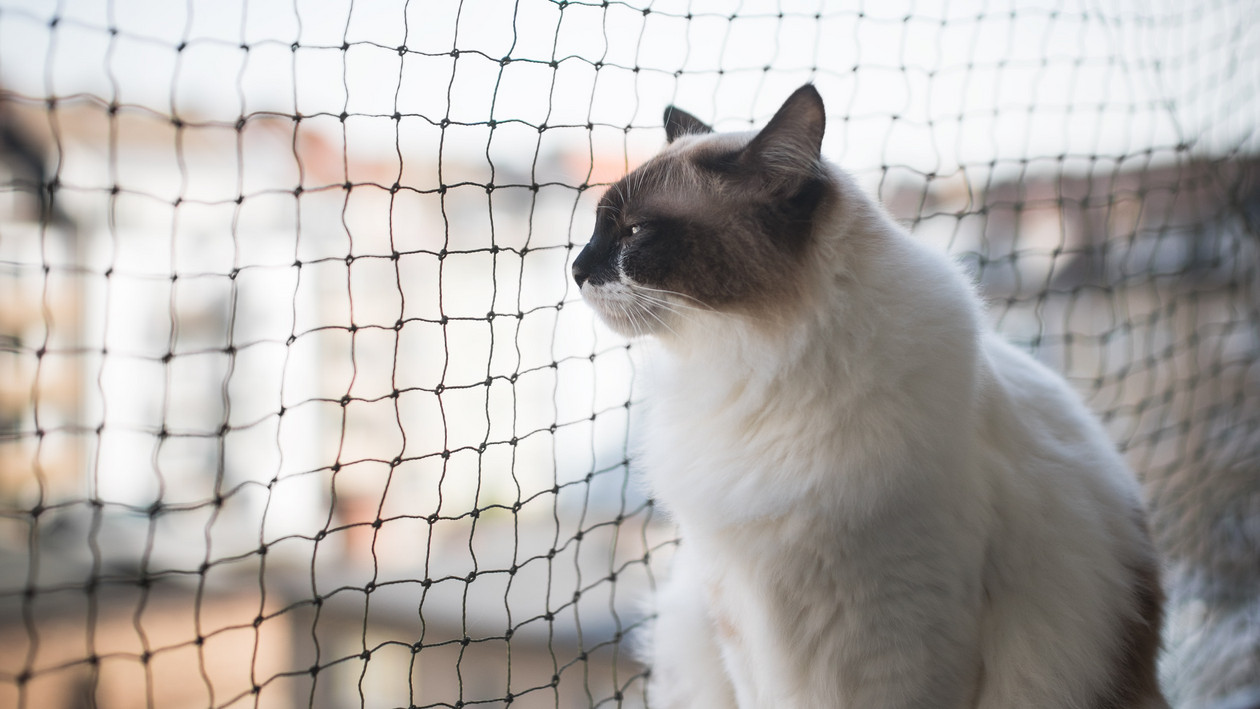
[(625, 327), (622, 313)]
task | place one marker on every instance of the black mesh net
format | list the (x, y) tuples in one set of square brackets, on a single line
[(299, 407)]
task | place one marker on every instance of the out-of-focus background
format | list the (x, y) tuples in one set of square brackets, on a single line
[(299, 407)]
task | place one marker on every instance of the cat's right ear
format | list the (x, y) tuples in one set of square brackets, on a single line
[(678, 122)]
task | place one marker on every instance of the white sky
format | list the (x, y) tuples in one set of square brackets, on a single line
[(928, 85)]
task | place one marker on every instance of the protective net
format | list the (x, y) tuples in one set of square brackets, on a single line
[(299, 407)]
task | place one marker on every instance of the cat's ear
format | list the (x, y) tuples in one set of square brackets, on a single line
[(791, 143), (679, 122)]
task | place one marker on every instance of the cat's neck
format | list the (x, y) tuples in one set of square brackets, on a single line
[(883, 366), (878, 309)]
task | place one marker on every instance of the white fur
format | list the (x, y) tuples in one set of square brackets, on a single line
[(877, 497)]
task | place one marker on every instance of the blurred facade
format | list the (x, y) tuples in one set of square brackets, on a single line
[(282, 422)]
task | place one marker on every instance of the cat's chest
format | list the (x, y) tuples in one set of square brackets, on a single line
[(695, 432), (716, 454)]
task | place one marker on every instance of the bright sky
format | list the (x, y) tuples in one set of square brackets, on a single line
[(925, 84)]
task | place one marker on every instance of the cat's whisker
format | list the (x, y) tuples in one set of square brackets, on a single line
[(677, 309), (668, 180), (618, 191), (631, 316), (663, 323), (638, 295), (699, 304), (650, 311), (649, 298), (639, 177), (624, 315), (627, 315)]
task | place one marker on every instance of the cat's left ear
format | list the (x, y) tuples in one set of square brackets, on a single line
[(791, 143), (678, 122)]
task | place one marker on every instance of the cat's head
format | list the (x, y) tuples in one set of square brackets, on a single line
[(715, 223)]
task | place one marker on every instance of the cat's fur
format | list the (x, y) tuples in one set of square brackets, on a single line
[(881, 503)]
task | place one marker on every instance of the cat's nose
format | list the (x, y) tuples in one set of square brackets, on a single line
[(589, 259)]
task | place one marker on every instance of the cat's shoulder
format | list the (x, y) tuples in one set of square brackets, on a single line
[(1020, 375)]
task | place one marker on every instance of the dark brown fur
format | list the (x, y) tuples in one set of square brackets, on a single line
[(721, 244), (1135, 680)]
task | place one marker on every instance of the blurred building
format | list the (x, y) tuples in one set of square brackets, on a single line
[(267, 406), (41, 392)]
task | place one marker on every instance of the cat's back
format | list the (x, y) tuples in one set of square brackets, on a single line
[(1070, 563), (1032, 421)]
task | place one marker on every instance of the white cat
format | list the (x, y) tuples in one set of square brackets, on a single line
[(881, 503)]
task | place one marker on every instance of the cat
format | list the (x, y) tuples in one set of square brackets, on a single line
[(880, 502)]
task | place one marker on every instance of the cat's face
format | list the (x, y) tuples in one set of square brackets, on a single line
[(714, 223)]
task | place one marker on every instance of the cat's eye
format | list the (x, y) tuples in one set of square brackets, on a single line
[(635, 229)]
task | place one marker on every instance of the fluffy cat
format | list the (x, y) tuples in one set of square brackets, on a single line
[(881, 503)]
